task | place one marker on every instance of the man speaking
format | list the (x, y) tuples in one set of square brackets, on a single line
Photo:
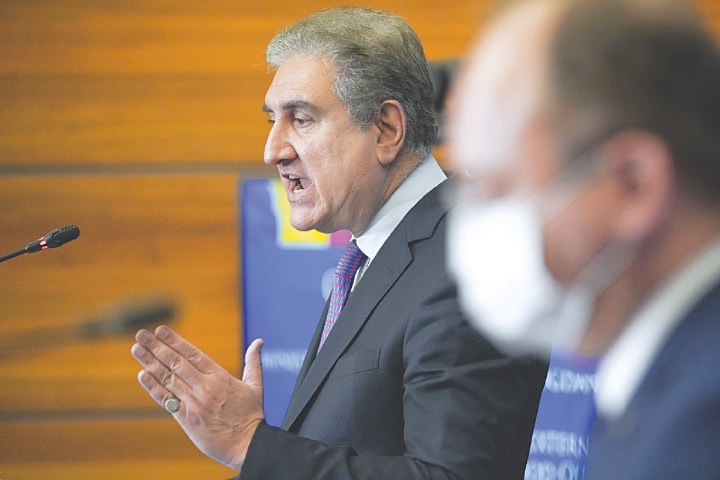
[(395, 384)]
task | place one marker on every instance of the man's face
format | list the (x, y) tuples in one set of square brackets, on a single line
[(502, 135), (499, 134), (328, 166), (495, 133)]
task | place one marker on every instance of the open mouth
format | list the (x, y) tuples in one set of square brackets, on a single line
[(296, 183)]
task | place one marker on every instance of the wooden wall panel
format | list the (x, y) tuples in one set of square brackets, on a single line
[(144, 237), (133, 82), (104, 119), (134, 119)]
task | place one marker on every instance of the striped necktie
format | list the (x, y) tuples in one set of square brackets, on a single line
[(351, 259)]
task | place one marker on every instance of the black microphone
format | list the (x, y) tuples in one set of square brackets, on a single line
[(52, 239), (126, 317), (116, 319)]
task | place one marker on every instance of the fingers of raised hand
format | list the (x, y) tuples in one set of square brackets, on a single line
[(189, 353), (168, 364), (157, 379), (166, 355), (158, 391)]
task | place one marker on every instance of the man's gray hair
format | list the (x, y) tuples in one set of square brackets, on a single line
[(377, 57)]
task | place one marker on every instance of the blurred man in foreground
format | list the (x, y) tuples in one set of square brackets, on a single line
[(395, 384), (590, 214)]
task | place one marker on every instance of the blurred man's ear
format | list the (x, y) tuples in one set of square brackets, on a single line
[(640, 165), (391, 124)]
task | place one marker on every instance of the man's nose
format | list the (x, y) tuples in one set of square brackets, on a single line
[(278, 146)]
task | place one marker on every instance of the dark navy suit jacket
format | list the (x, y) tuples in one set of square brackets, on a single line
[(671, 429), (404, 388)]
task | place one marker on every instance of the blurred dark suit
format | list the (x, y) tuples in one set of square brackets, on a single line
[(672, 425)]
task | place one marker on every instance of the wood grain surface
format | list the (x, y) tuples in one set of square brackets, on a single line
[(135, 120)]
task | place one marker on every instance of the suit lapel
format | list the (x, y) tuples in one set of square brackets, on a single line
[(360, 304), (387, 267), (307, 361)]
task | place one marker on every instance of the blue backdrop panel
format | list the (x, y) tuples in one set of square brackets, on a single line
[(283, 273), (566, 414)]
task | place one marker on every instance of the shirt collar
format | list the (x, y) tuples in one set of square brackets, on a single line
[(623, 367), (426, 176)]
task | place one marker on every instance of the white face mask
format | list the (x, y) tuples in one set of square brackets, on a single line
[(495, 253)]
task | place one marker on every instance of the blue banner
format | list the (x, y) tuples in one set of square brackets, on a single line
[(286, 278), (560, 441)]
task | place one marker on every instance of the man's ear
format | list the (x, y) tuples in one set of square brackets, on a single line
[(391, 124), (644, 178)]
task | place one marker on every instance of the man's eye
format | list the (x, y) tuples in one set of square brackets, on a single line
[(301, 122)]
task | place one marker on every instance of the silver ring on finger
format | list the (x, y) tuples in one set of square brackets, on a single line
[(171, 404)]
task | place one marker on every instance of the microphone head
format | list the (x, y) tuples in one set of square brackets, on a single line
[(53, 239), (61, 236)]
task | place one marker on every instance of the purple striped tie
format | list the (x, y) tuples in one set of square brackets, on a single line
[(351, 259)]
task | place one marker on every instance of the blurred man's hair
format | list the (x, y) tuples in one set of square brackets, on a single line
[(641, 64)]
